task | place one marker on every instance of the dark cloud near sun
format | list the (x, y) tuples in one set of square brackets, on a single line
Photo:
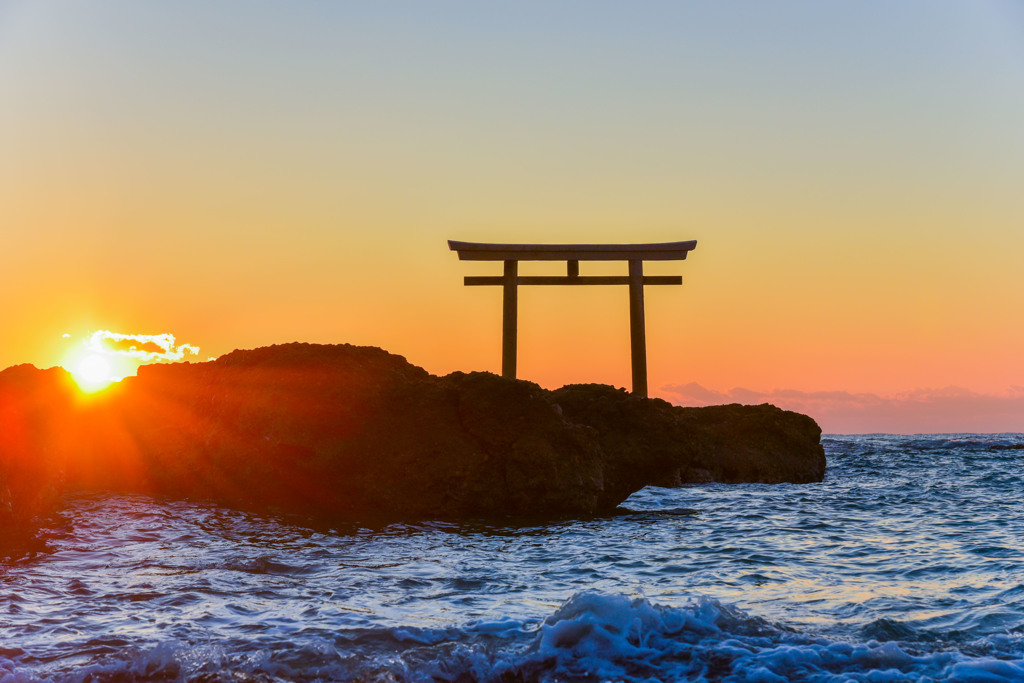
[(127, 345), (143, 348)]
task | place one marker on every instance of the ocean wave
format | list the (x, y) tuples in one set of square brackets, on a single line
[(592, 636), (890, 443)]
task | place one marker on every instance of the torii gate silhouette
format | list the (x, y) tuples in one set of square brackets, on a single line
[(572, 254)]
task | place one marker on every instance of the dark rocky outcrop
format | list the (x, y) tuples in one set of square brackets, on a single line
[(349, 431), (730, 444)]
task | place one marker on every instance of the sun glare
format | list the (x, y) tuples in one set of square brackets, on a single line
[(93, 372), (104, 357)]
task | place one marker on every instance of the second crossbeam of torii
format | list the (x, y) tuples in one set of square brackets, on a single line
[(572, 254)]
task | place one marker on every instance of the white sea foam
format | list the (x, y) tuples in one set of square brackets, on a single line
[(592, 636), (612, 637)]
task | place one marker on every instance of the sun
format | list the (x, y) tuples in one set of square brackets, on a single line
[(93, 372)]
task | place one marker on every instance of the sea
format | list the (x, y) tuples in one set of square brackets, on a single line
[(905, 564)]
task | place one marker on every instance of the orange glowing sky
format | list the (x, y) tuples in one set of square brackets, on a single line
[(254, 173)]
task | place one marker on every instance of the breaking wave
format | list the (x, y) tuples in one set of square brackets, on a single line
[(592, 636)]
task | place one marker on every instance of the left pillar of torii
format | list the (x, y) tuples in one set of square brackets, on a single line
[(572, 254)]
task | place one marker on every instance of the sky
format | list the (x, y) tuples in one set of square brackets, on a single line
[(237, 174)]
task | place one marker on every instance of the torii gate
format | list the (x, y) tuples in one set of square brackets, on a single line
[(572, 254)]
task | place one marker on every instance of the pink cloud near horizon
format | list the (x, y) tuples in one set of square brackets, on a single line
[(922, 411)]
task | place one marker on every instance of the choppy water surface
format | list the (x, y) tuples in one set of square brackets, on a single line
[(905, 564)]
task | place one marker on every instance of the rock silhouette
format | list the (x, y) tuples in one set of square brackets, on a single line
[(342, 431)]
